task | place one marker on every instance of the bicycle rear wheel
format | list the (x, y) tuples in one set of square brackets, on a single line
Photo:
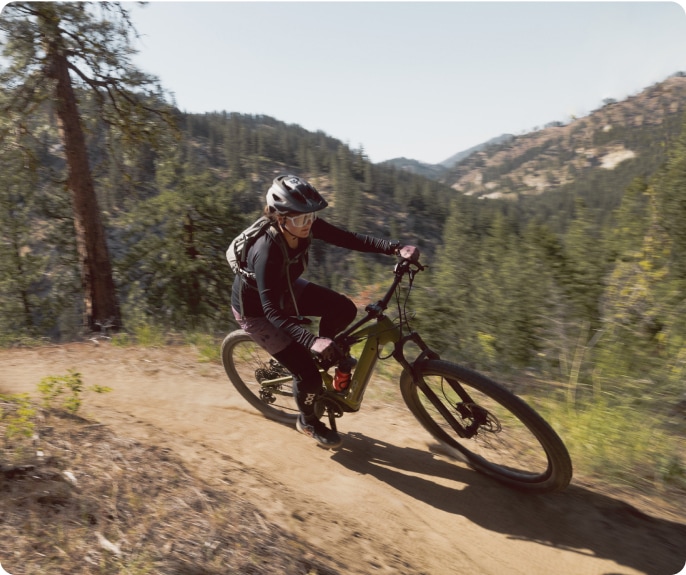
[(259, 378), (509, 440)]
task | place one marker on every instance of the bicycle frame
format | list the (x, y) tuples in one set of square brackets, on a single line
[(375, 336)]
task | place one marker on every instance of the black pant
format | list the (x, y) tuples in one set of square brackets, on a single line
[(336, 312)]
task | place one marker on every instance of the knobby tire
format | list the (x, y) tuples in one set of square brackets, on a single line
[(515, 445)]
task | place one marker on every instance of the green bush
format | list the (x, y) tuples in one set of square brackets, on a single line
[(207, 346), (53, 387), (142, 334), (620, 440), (18, 419)]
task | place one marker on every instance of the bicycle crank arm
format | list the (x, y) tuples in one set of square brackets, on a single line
[(332, 421)]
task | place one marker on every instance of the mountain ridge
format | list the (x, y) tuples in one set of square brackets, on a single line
[(619, 135)]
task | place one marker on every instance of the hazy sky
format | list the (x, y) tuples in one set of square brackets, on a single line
[(422, 80)]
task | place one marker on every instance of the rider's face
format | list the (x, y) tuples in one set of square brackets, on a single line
[(299, 224)]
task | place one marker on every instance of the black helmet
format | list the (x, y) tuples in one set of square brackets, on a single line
[(293, 194)]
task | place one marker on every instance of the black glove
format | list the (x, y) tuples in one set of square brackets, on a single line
[(409, 253)]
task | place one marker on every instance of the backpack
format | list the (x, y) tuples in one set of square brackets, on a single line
[(238, 249), (237, 255)]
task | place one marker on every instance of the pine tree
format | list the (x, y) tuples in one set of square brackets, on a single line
[(21, 266), (56, 51), (585, 266), (671, 198), (629, 221), (448, 293), (175, 267)]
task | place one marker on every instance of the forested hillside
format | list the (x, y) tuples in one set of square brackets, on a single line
[(171, 211), (519, 288)]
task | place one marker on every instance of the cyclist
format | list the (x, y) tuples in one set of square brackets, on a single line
[(272, 307)]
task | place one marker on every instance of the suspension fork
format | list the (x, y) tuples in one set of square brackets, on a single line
[(428, 353)]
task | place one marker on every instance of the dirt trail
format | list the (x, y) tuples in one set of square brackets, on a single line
[(384, 503)]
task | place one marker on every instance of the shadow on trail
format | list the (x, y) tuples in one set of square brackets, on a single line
[(577, 519)]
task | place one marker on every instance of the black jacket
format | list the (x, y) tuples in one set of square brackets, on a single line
[(275, 265)]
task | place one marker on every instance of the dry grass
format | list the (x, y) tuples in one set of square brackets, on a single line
[(80, 500)]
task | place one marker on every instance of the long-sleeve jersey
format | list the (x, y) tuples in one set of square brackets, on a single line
[(276, 267)]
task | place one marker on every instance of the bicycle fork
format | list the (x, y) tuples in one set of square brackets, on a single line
[(467, 409)]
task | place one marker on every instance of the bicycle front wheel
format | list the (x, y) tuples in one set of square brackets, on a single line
[(259, 378), (504, 437)]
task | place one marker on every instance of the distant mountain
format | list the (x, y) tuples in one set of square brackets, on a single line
[(454, 159), (431, 171), (437, 171), (617, 142)]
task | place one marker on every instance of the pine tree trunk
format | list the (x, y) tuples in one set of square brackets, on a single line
[(101, 304)]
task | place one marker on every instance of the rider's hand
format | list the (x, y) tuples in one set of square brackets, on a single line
[(326, 350), (409, 253)]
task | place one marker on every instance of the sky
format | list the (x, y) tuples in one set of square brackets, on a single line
[(421, 80)]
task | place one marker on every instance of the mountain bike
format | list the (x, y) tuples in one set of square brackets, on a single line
[(475, 419)]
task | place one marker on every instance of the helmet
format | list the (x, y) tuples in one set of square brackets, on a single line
[(293, 194)]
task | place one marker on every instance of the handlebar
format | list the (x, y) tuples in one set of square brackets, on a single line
[(376, 310), (404, 266)]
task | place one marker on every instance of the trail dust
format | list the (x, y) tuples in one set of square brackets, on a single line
[(387, 502)]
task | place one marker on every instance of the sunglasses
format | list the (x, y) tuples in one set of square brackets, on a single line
[(302, 220)]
